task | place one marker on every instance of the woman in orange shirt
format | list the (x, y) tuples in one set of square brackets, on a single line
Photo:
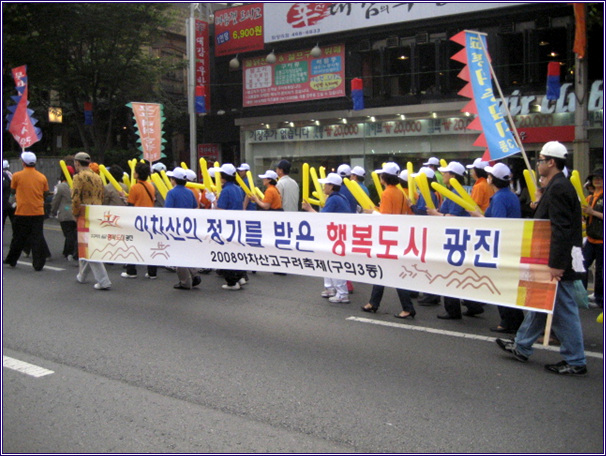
[(481, 191), (272, 200), (393, 201)]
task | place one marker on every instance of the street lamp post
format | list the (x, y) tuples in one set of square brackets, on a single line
[(191, 83)]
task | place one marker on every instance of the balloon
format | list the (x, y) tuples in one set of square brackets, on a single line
[(361, 197), (156, 179), (576, 183), (322, 172), (443, 163), (184, 165), (196, 185), (411, 184), (167, 183), (423, 184), (531, 184), (600, 318), (305, 182), (218, 184), (104, 172), (320, 192), (126, 180), (452, 196), (68, 176), (377, 182), (206, 175), (243, 185), (463, 194)]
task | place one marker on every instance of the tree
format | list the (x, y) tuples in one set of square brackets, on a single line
[(87, 52)]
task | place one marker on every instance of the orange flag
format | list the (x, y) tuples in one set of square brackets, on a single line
[(580, 34)]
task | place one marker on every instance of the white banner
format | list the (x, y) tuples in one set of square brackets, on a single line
[(287, 21), (497, 261)]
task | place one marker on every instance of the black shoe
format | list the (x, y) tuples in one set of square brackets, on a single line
[(204, 271), (509, 347), (447, 316), (180, 286), (500, 329), (196, 281), (369, 309), (563, 368), (473, 313)]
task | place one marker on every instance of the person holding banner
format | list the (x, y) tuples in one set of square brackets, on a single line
[(393, 201), (334, 289), (433, 163), (449, 208), (271, 197), (481, 192), (503, 204), (242, 170), (357, 175), (88, 189), (560, 205), (344, 171), (142, 194)]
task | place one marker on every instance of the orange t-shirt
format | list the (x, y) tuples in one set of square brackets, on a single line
[(393, 201), (197, 194), (272, 196), (592, 200), (139, 197), (481, 192), (30, 186)]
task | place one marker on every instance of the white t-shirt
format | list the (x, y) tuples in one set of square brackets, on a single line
[(289, 191)]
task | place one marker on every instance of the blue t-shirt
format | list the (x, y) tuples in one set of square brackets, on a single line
[(505, 204), (353, 203), (182, 197), (251, 205), (231, 197), (361, 184), (336, 203), (421, 207), (452, 208)]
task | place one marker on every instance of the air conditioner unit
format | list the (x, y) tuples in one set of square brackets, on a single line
[(422, 38), (364, 46), (392, 42)]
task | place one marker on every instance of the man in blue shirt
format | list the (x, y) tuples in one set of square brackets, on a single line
[(344, 171)]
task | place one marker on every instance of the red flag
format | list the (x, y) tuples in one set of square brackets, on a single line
[(580, 30)]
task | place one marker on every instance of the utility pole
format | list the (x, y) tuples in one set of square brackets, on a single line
[(191, 84), (581, 142)]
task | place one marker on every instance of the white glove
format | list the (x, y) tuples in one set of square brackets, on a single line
[(210, 196)]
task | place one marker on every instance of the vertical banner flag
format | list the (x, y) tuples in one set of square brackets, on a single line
[(580, 30), (203, 59), (357, 94), (496, 134), (200, 100), (149, 120), (88, 113), (21, 124), (553, 80)]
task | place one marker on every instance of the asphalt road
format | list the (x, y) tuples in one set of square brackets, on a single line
[(273, 368)]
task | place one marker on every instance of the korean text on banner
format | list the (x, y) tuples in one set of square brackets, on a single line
[(497, 261)]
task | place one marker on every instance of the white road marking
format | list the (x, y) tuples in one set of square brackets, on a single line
[(50, 268), (456, 334), (25, 368)]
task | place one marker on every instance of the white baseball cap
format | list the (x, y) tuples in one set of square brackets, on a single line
[(269, 174), (500, 171), (5, 164), (344, 170), (478, 163), (389, 168), (554, 149), (212, 171), (29, 158), (177, 173), (228, 169), (159, 167), (404, 175), (430, 173), (191, 175), (358, 171), (453, 167), (244, 167), (332, 178), (432, 161)]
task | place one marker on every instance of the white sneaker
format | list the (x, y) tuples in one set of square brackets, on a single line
[(147, 276), (329, 293), (126, 275), (591, 297), (231, 287), (98, 286), (80, 279), (242, 281), (70, 258), (337, 299)]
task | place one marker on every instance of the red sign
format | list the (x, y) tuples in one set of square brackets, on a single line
[(296, 76), (534, 135), (239, 29), (203, 58)]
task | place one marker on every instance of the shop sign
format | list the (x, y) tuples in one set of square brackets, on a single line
[(295, 77), (203, 59), (239, 29), (287, 21)]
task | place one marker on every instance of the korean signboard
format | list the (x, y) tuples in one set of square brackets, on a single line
[(239, 29)]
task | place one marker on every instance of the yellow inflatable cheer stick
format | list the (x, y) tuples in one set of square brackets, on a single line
[(412, 195), (576, 183), (463, 194), (208, 181), (259, 193), (197, 185), (102, 176), (361, 197), (243, 185), (322, 172), (218, 184), (132, 163), (377, 182), (320, 193), (126, 180), (183, 165), (305, 182), (104, 172), (156, 179), (532, 186), (600, 318), (443, 163), (452, 196), (251, 183), (421, 181), (68, 176)]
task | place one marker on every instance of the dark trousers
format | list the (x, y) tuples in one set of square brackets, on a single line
[(510, 318), (70, 232), (131, 269), (591, 253), (377, 294), (28, 230), (232, 277), (10, 213), (453, 306)]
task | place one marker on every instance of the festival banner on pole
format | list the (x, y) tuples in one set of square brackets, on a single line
[(496, 134), (149, 119), (20, 122), (203, 60), (496, 261)]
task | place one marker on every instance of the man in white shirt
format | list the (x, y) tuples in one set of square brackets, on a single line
[(288, 187)]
